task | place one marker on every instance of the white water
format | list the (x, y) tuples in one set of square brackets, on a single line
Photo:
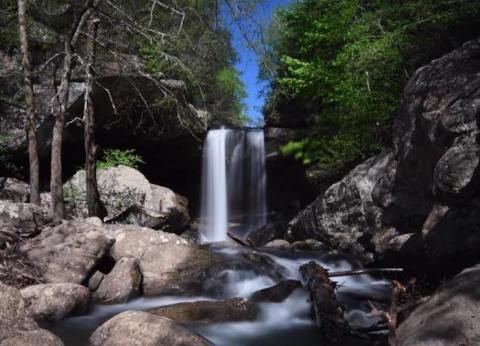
[(233, 183), (214, 187)]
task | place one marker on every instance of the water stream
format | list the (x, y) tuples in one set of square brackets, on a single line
[(233, 183)]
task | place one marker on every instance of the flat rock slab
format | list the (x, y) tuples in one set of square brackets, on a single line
[(135, 328), (205, 312), (69, 252), (53, 302), (277, 293)]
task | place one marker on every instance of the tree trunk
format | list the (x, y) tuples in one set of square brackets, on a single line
[(92, 195), (29, 106)]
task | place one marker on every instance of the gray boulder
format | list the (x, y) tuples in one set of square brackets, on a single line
[(25, 219), (51, 302), (140, 328), (121, 284), (449, 317), (168, 264), (69, 252), (129, 198), (17, 327)]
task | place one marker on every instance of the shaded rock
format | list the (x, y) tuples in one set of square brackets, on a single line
[(121, 284), (449, 317), (205, 312), (38, 337), (129, 198), (268, 233), (53, 302), (95, 280), (279, 244), (17, 327), (69, 252), (14, 190), (141, 328), (264, 265), (277, 293), (24, 218)]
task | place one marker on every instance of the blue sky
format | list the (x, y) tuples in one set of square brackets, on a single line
[(248, 62)]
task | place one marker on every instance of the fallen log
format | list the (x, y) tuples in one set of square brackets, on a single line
[(328, 311), (239, 240)]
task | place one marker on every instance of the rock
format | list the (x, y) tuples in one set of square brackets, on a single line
[(449, 317), (279, 244), (17, 327), (419, 201), (32, 338), (129, 198), (168, 264), (69, 252), (14, 190), (121, 284), (51, 302), (141, 328), (95, 280), (308, 245), (277, 293), (206, 312), (345, 213), (24, 218)]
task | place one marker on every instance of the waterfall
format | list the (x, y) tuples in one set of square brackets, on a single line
[(233, 183)]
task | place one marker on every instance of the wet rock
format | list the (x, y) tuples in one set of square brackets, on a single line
[(308, 245), (205, 312), (17, 327), (279, 244), (263, 265), (449, 317), (51, 302), (69, 252), (277, 293), (141, 328), (268, 233), (129, 198), (14, 190), (121, 284)]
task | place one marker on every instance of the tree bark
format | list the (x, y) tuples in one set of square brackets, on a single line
[(56, 182), (92, 195), (29, 106), (328, 311)]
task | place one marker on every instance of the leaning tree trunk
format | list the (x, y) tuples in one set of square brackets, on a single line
[(29, 105), (92, 195)]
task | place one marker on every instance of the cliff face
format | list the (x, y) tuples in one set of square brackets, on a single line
[(421, 198)]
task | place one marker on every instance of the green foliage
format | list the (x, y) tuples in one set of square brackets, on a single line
[(341, 66), (116, 157), (8, 24)]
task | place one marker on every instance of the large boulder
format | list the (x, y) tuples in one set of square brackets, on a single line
[(121, 284), (449, 317), (51, 302), (69, 252), (345, 214), (128, 197), (168, 264), (141, 328), (420, 201), (206, 312), (17, 327)]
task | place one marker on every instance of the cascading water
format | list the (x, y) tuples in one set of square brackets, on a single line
[(233, 183)]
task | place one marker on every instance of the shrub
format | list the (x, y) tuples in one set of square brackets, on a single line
[(116, 157)]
